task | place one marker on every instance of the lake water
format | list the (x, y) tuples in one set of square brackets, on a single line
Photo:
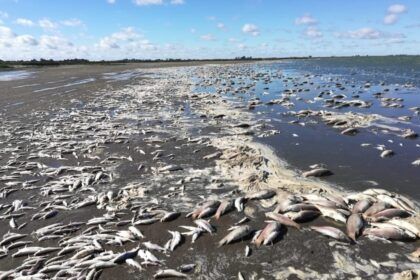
[(311, 85)]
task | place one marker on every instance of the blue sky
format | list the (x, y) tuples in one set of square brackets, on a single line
[(115, 29)]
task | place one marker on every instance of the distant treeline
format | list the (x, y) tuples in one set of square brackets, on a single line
[(51, 62)]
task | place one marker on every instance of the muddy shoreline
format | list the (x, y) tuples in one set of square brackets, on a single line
[(161, 146)]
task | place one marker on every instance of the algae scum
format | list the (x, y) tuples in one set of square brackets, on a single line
[(291, 169)]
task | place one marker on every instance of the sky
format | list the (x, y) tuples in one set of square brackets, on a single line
[(151, 29)]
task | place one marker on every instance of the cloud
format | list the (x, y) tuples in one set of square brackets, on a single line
[(47, 24), (362, 33), (397, 9), (72, 22), (54, 42), (306, 20), (6, 33), (368, 33), (25, 22), (390, 19), (313, 32), (250, 28), (110, 1), (193, 30), (394, 12), (127, 38), (208, 37), (177, 2), (221, 26), (27, 40), (148, 2)]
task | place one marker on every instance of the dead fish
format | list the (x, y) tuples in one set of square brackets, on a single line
[(282, 219), (175, 241), (303, 216), (389, 233), (224, 207), (239, 204), (318, 172), (361, 206), (170, 216), (268, 234), (389, 214), (240, 276), (166, 273), (211, 204), (133, 263), (332, 214), (237, 234), (187, 267), (264, 194), (375, 208), (387, 153), (354, 226), (300, 207), (247, 251), (170, 168), (332, 232), (205, 225), (350, 131), (416, 162)]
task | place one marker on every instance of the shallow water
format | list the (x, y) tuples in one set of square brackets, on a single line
[(6, 76), (311, 141)]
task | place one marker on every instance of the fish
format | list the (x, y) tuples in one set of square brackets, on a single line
[(175, 241), (224, 207), (361, 206), (239, 204), (354, 226), (282, 219), (268, 234), (317, 172), (239, 233), (389, 214), (264, 194), (167, 273), (205, 225), (387, 153), (332, 232), (389, 233), (303, 216), (375, 208)]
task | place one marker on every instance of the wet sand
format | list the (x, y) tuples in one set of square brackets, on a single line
[(134, 124)]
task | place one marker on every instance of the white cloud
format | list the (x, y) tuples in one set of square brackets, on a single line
[(110, 1), (394, 12), (27, 40), (306, 20), (6, 33), (47, 24), (54, 42), (193, 30), (72, 22), (127, 38), (177, 2), (25, 22), (221, 26), (313, 32), (250, 28), (363, 33), (148, 2), (242, 46), (390, 19), (208, 37), (397, 9)]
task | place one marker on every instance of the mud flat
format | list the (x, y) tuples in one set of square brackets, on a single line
[(143, 177)]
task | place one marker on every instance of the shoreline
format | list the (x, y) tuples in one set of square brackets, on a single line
[(125, 157)]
